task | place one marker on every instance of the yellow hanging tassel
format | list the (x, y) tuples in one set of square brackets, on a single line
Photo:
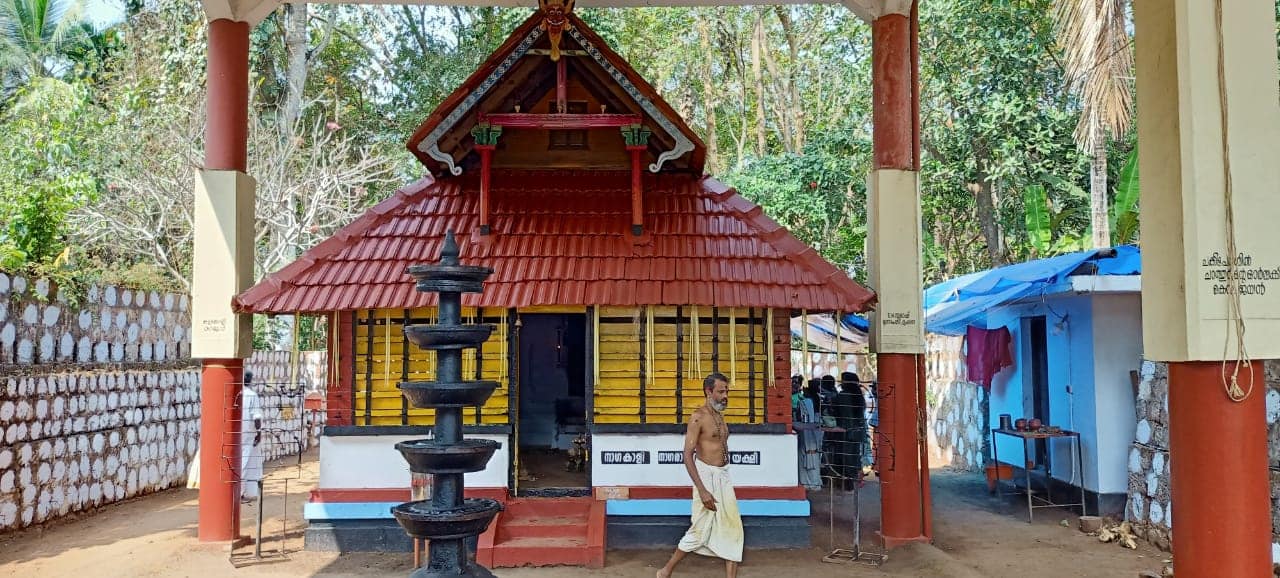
[(804, 343), (648, 345), (698, 345), (733, 345)]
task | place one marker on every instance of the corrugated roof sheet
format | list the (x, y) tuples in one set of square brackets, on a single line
[(564, 238)]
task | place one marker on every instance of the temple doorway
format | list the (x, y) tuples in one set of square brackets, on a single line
[(552, 427)]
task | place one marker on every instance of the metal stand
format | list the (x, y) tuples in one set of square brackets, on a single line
[(1034, 501), (854, 555)]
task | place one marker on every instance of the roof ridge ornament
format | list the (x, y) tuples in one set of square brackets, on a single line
[(555, 20)]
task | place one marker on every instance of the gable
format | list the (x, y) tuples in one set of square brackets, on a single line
[(520, 79)]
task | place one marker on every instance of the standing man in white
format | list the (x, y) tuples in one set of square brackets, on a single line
[(716, 526), (251, 457)]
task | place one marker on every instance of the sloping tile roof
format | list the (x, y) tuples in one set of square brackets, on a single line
[(564, 238)]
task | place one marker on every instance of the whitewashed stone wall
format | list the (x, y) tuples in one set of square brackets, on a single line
[(289, 428), (820, 364), (38, 325), (276, 368), (74, 440), (100, 401), (1150, 507), (957, 408)]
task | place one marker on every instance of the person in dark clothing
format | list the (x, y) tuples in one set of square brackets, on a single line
[(797, 393), (812, 391), (851, 415), (828, 389)]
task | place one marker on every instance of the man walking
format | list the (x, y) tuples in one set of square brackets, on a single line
[(716, 526)]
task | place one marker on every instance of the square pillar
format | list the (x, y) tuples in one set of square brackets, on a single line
[(223, 264), (894, 263), (1209, 129)]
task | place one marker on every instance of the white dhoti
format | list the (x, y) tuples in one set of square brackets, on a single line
[(717, 533), (251, 455)]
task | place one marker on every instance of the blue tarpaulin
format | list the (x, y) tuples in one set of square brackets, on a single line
[(951, 306)]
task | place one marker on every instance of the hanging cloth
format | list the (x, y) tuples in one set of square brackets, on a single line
[(987, 354)]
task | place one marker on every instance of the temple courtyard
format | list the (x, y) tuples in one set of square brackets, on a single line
[(976, 535)]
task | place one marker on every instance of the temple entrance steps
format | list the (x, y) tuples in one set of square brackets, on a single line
[(546, 532)]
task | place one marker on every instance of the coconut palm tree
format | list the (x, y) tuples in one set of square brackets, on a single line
[(35, 37), (1099, 66)]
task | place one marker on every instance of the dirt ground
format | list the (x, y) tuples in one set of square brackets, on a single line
[(976, 535)]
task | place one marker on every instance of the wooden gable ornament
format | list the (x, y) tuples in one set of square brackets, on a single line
[(555, 96)]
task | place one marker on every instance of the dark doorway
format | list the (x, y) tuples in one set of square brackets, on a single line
[(552, 394), (1037, 379)]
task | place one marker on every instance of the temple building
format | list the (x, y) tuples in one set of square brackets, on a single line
[(623, 276)]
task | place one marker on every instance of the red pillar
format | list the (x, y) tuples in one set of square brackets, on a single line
[(637, 189), (486, 163), (226, 143), (220, 382), (227, 133), (892, 93), (902, 459), (1219, 479)]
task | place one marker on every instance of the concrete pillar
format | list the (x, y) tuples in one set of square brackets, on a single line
[(1209, 126), (893, 249), (223, 266)]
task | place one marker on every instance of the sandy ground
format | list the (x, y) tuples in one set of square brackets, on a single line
[(975, 535)]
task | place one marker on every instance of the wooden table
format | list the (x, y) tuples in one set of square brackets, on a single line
[(1034, 501)]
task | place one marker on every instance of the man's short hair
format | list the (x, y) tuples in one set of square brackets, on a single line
[(710, 382)]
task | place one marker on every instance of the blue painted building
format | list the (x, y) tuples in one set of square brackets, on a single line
[(1075, 323)]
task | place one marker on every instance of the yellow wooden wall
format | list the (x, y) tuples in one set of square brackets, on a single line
[(620, 340), (383, 370)]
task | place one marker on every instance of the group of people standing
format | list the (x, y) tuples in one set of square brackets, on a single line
[(832, 424)]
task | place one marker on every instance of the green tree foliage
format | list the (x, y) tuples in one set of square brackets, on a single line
[(38, 39), (43, 174), (781, 96)]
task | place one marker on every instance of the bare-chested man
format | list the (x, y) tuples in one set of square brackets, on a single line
[(716, 528)]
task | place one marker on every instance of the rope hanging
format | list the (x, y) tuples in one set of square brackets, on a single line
[(697, 345), (839, 356), (1235, 314)]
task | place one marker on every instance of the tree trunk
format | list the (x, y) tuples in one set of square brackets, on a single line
[(708, 98), (756, 34), (1099, 215), (295, 45), (981, 188), (793, 92)]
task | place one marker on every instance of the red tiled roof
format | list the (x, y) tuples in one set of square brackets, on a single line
[(564, 238)]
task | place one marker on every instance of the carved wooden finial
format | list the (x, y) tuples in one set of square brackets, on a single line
[(555, 20)]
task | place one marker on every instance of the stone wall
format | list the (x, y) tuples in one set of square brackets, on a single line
[(74, 440), (957, 408), (40, 324), (100, 400), (821, 364), (289, 426), (1149, 506)]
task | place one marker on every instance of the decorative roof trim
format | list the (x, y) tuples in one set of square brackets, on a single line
[(683, 144), (431, 144)]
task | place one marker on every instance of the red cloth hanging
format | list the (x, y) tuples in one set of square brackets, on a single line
[(988, 353)]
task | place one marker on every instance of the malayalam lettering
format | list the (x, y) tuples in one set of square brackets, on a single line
[(1237, 275)]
